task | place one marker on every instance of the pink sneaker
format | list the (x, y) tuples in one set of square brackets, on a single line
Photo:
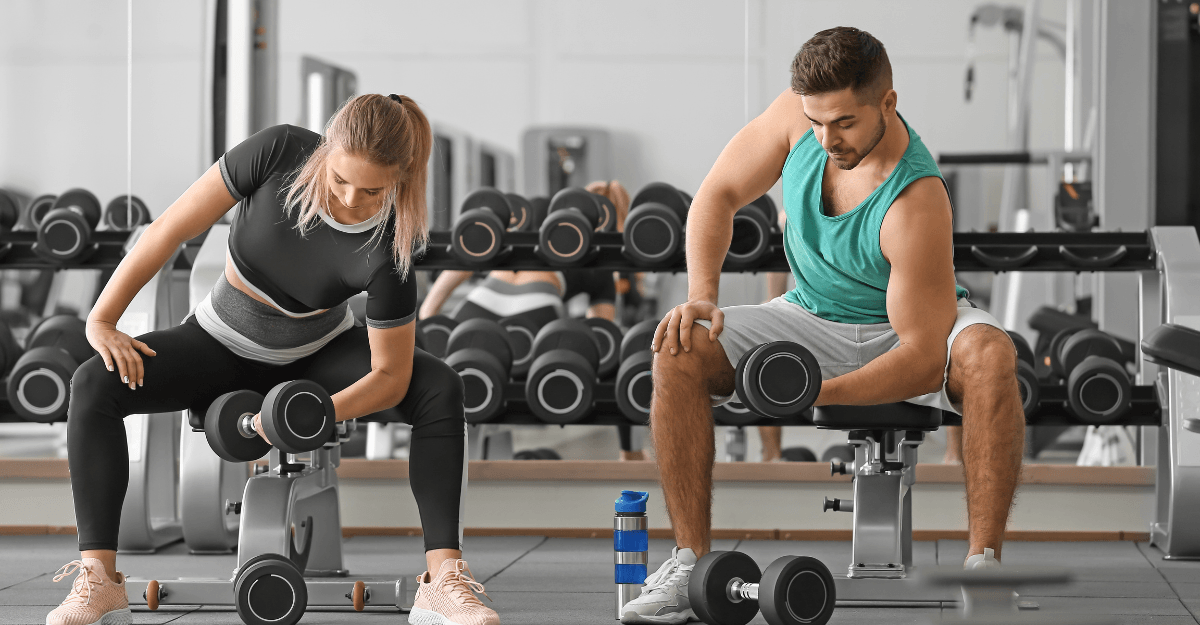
[(449, 598), (94, 600)]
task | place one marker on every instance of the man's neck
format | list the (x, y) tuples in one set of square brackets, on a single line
[(890, 149)]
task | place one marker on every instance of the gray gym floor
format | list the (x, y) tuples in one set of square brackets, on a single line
[(560, 581)]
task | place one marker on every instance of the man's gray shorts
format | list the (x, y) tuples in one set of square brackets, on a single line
[(839, 347)]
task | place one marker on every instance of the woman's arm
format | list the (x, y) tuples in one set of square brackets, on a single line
[(445, 284), (391, 372), (198, 208)]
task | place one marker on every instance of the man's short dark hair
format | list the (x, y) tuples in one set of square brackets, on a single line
[(842, 57)]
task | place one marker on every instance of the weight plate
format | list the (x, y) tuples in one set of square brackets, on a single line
[(653, 235), (1088, 342), (63, 235), (560, 387), (82, 202), (491, 199), (665, 194), (568, 334), (123, 207), (751, 238), (222, 427), (579, 199), (37, 210), (486, 335), (477, 237), (1099, 390), (270, 590), (39, 387), (298, 416), (565, 237), (779, 379), (797, 590), (436, 333), (483, 383), (710, 582)]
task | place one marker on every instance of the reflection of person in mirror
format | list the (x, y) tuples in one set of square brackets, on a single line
[(869, 243), (322, 218), (543, 296)]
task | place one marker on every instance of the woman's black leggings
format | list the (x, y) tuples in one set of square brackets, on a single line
[(192, 369)]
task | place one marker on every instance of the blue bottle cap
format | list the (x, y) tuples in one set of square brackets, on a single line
[(632, 501)]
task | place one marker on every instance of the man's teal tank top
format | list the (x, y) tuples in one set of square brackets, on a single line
[(840, 271)]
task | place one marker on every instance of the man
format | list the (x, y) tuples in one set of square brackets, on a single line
[(869, 241)]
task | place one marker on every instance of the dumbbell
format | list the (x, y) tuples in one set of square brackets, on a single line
[(435, 332), (118, 213), (540, 205), (65, 232), (609, 336), (1027, 381), (39, 387), (11, 204), (727, 588), (752, 228), (561, 382), (36, 210), (565, 236), (270, 589), (477, 237), (541, 453), (478, 349), (297, 416), (521, 332), (634, 386), (1099, 390), (840, 452), (653, 234), (779, 379), (608, 214), (521, 216)]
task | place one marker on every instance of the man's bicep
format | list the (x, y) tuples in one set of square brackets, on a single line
[(917, 239)]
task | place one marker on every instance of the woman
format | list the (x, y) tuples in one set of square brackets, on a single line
[(540, 295), (321, 219)]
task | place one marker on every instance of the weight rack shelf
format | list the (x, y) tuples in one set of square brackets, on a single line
[(973, 251)]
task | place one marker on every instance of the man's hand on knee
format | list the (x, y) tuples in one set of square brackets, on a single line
[(675, 330)]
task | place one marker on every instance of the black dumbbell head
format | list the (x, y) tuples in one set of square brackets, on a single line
[(490, 199), (270, 590), (63, 235), (779, 379), (569, 335), (126, 212), (1055, 354), (1024, 351), (521, 219), (635, 387), (477, 236), (37, 209), (608, 214), (565, 236), (609, 337), (436, 333), (560, 386), (734, 412), (224, 431), (663, 193), (1099, 390), (298, 416), (639, 338), (751, 238), (66, 332), (767, 206), (653, 234), (1086, 343), (797, 590), (541, 205), (39, 387), (10, 209), (708, 587), (521, 332), (485, 335), (83, 202), (10, 351), (483, 377)]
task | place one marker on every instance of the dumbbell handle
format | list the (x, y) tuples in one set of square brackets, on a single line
[(838, 505), (738, 591), (246, 426)]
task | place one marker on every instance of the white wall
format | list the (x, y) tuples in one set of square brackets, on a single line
[(63, 105), (666, 77)]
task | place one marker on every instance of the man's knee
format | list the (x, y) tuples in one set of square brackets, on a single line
[(982, 357), (705, 367)]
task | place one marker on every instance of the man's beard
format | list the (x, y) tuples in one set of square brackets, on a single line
[(848, 165)]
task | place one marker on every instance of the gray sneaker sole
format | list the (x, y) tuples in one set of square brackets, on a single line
[(674, 618)]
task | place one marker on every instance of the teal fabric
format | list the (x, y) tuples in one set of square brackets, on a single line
[(841, 274)]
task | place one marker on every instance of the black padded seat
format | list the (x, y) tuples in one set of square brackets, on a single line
[(897, 416)]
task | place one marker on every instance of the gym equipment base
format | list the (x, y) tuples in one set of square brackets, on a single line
[(393, 594), (908, 590)]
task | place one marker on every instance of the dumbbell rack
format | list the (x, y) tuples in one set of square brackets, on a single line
[(17, 251), (973, 251)]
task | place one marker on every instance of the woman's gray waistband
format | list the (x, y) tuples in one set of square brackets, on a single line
[(267, 326)]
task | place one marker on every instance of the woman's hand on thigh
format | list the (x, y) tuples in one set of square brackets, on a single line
[(675, 329), (119, 350)]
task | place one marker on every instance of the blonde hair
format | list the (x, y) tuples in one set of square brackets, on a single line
[(617, 194), (389, 131)]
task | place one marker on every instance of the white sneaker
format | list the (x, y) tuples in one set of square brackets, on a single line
[(664, 598), (985, 560)]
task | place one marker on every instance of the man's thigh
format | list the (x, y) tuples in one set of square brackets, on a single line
[(835, 345)]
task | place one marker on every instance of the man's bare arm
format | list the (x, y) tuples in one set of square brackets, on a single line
[(748, 166), (917, 240)]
